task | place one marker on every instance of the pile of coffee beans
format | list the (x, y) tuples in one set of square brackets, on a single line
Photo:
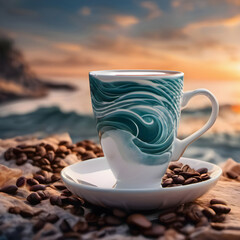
[(99, 221), (50, 157), (178, 174)]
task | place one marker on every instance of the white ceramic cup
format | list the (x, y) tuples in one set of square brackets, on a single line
[(137, 115)]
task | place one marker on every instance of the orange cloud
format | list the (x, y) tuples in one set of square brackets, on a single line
[(70, 47), (227, 22), (125, 20), (154, 10)]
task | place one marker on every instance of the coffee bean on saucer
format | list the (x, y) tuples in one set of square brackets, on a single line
[(138, 220), (178, 179), (190, 181), (205, 176), (34, 198), (174, 165), (10, 189), (167, 182), (218, 201), (220, 208), (202, 170), (20, 181)]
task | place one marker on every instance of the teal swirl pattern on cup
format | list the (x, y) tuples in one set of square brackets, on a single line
[(142, 116)]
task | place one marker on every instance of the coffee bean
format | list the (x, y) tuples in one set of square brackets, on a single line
[(36, 158), (17, 151), (91, 218), (34, 198), (167, 182), (65, 226), (218, 201), (14, 210), (167, 218), (185, 168), (56, 200), (43, 194), (26, 213), (190, 181), (40, 178), (79, 211), (205, 176), (50, 155), (88, 155), (29, 150), (217, 226), (208, 212), (37, 187), (154, 231), (31, 181), (41, 151), (55, 177), (81, 227), (138, 220), (112, 220), (119, 213), (80, 150), (50, 147), (174, 165), (8, 155), (194, 214), (232, 174), (177, 170), (59, 186), (219, 218), (47, 168), (52, 218), (38, 225), (66, 193), (61, 149), (178, 179), (202, 170), (220, 208), (44, 161), (21, 181), (11, 189)]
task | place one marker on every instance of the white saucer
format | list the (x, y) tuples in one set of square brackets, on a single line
[(93, 180)]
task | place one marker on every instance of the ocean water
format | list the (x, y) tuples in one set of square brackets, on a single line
[(63, 111)]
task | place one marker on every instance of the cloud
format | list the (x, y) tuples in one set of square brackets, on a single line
[(166, 34), (71, 61), (69, 47), (84, 11), (125, 20), (226, 22), (154, 10)]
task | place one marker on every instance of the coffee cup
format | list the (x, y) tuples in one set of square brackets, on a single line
[(137, 116)]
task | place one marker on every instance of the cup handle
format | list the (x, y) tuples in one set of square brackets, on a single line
[(180, 146)]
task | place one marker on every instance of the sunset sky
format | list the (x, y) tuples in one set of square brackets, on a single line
[(70, 38)]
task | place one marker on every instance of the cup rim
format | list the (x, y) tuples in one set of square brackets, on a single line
[(125, 73)]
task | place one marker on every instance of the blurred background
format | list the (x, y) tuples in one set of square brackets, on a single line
[(47, 49)]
